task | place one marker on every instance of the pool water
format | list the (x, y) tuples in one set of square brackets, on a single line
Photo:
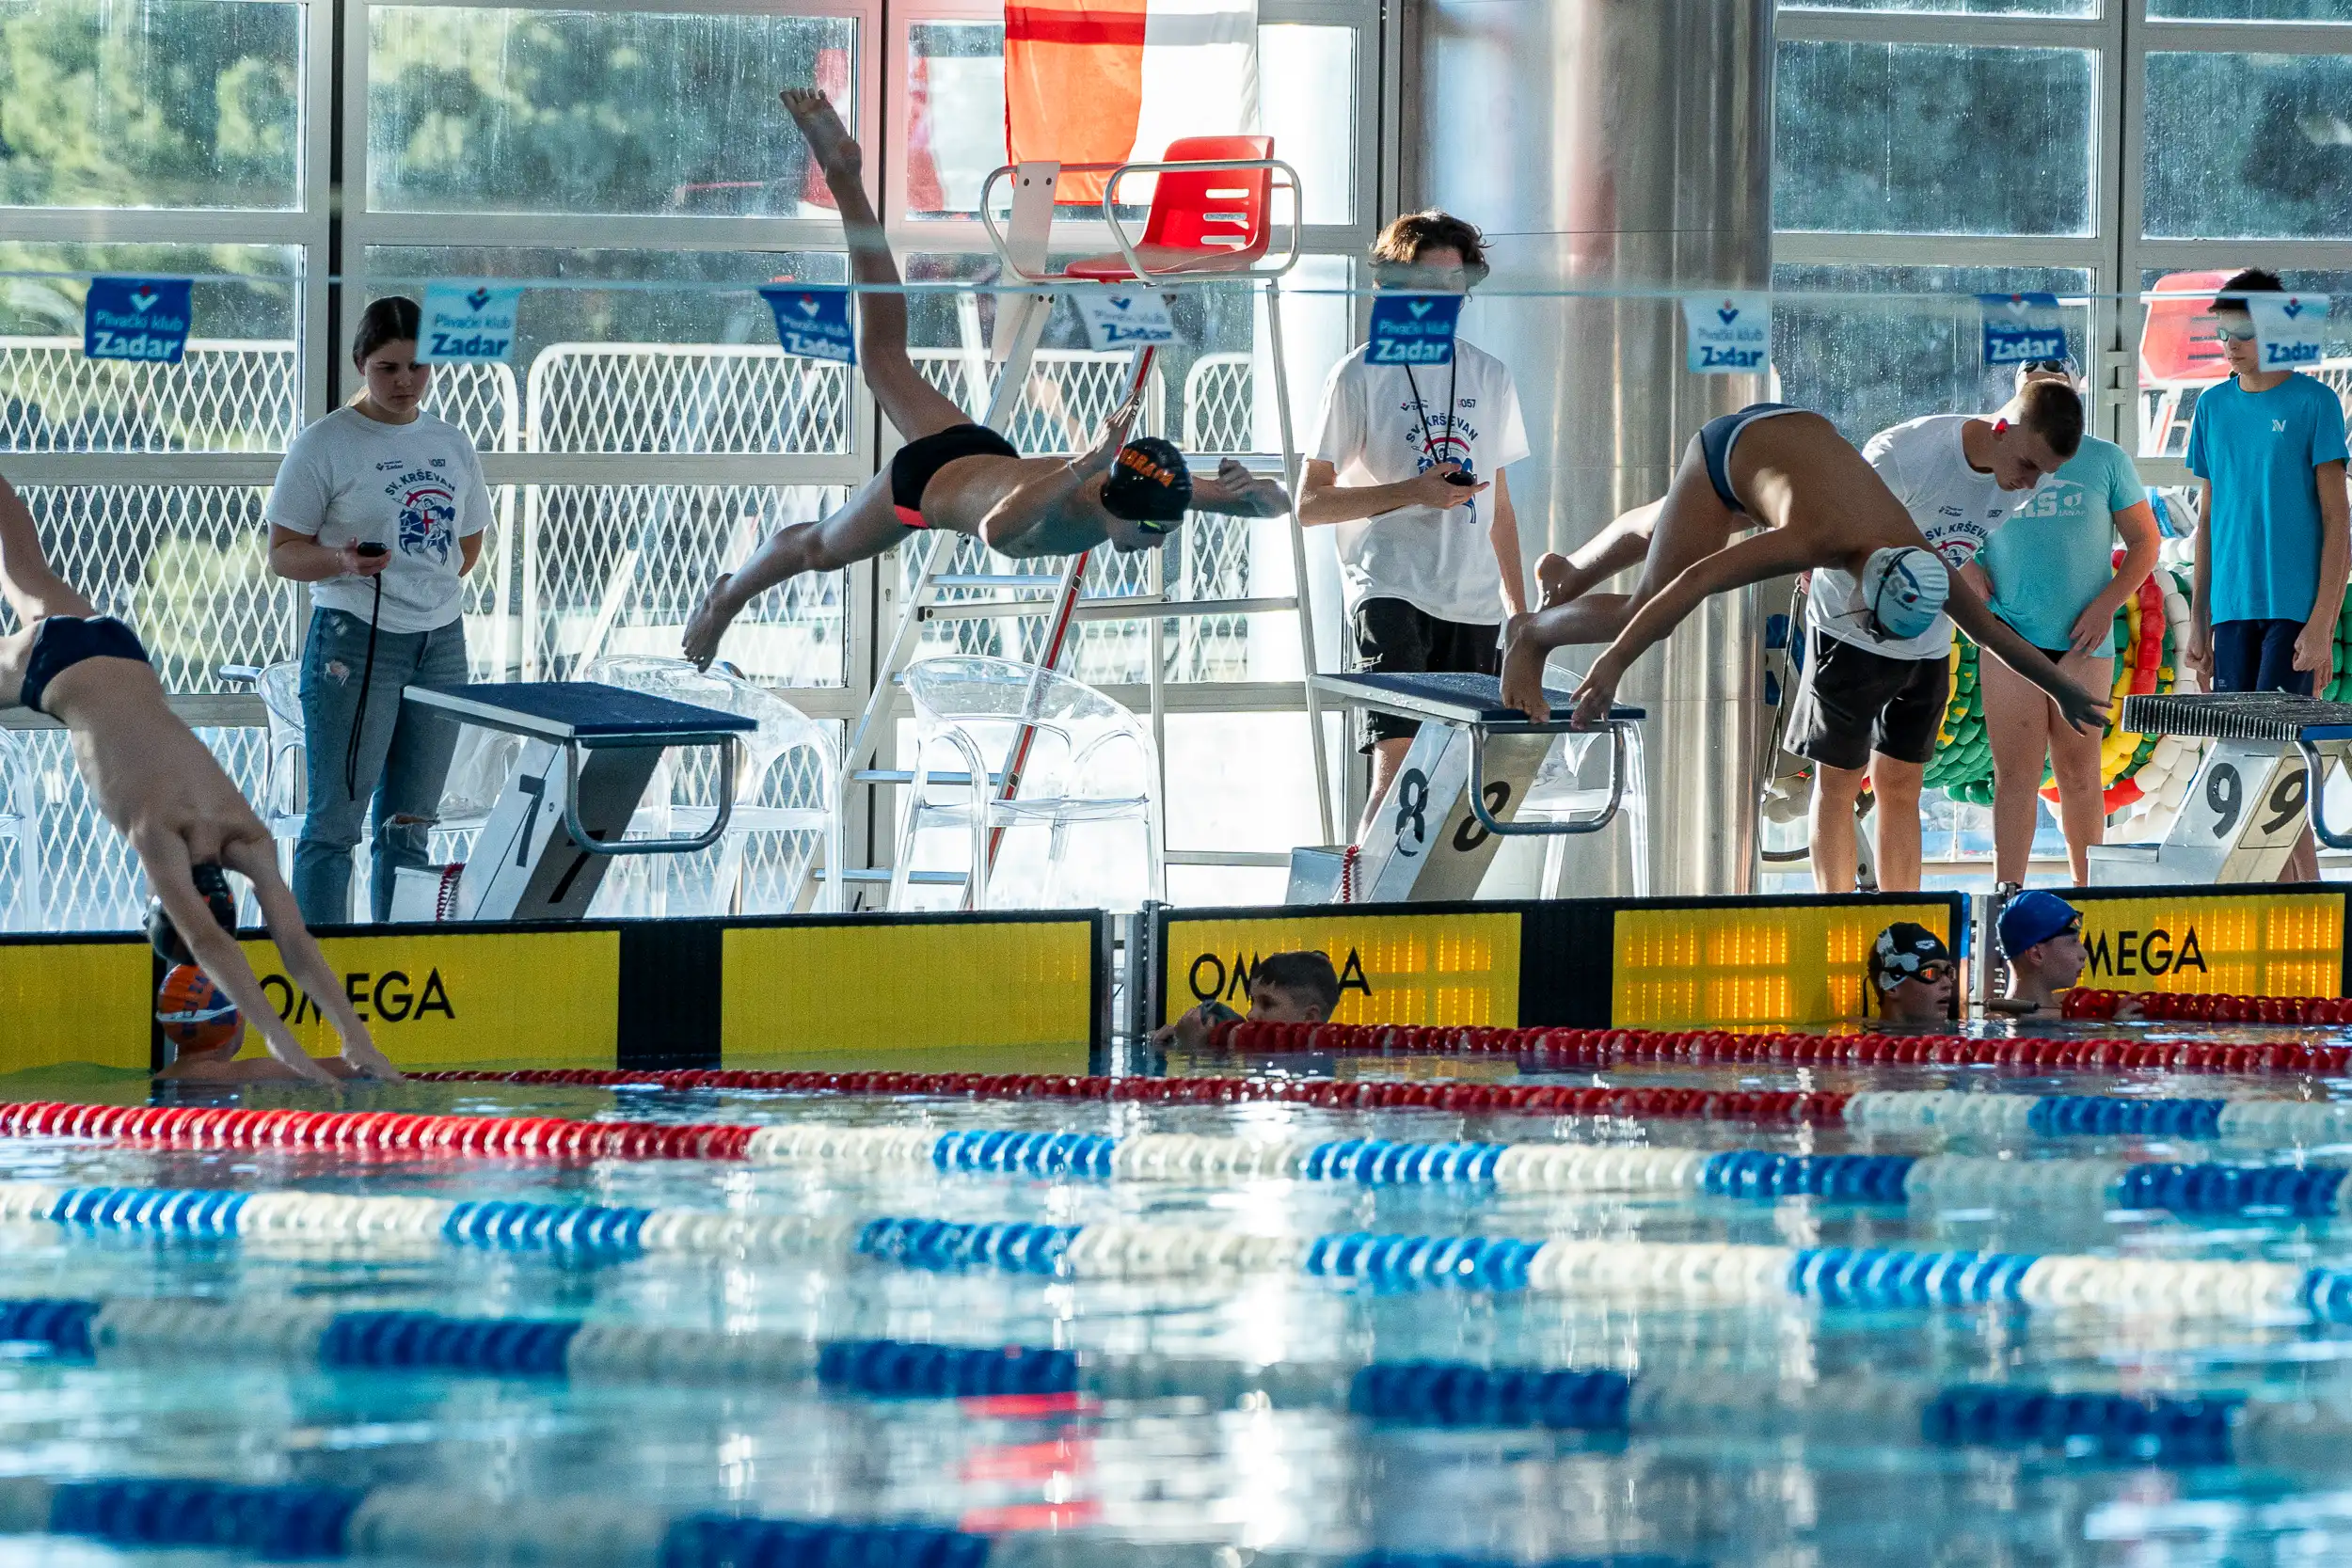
[(1221, 1414)]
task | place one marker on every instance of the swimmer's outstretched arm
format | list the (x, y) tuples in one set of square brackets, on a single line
[(1755, 559), (32, 590), (304, 964), (2086, 710)]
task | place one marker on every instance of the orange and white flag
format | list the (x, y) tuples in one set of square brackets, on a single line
[(1116, 81)]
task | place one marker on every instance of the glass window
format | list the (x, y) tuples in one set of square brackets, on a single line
[(1868, 365), (237, 388), (678, 356), (1952, 7), (151, 103), (547, 111), (2251, 11), (1306, 103), (2276, 163), (955, 114), (1933, 139)]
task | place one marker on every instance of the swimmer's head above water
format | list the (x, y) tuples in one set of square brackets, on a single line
[(1903, 590)]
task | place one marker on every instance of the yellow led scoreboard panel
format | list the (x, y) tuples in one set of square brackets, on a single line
[(460, 998), (75, 1002), (1801, 962), (2243, 944), (1449, 970), (948, 996)]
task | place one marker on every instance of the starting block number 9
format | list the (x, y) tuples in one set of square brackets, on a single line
[(2280, 813)]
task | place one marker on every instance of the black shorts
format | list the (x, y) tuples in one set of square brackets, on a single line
[(1397, 637), (1852, 701), (2258, 656), (910, 472)]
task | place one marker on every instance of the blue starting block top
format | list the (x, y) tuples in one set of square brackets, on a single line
[(1454, 699), (587, 713)]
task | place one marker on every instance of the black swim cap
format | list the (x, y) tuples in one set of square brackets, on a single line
[(211, 883), (1149, 482)]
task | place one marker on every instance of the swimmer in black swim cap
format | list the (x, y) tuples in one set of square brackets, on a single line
[(952, 473), (165, 792)]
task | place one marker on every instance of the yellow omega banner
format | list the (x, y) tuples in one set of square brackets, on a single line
[(1409, 969), (962, 996), (465, 998), (1800, 962), (75, 1002), (2245, 945)]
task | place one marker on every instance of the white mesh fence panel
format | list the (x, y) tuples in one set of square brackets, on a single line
[(686, 398), (619, 568), (224, 395)]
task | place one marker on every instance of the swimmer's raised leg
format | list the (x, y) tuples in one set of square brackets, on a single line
[(1623, 545)]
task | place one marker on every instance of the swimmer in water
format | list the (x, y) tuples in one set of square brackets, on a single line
[(217, 1062), (954, 474), (163, 792), (1787, 472)]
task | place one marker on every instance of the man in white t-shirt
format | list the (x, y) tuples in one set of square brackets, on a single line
[(1400, 462), (1867, 708)]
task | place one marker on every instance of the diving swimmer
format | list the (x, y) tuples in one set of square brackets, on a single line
[(954, 474), (165, 793), (1818, 504)]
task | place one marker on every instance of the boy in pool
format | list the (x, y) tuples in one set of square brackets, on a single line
[(954, 474), (162, 791), (1284, 988), (2042, 936), (1912, 976), (198, 1062), (1787, 472)]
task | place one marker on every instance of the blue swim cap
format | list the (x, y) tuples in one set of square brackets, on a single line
[(2034, 918), (1903, 590)]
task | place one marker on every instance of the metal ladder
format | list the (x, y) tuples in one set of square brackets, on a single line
[(1019, 328)]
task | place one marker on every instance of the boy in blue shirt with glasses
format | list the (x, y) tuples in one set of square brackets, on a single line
[(2276, 534)]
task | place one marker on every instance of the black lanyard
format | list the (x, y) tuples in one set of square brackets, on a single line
[(1453, 382)]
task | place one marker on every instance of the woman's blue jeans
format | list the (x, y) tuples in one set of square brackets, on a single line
[(403, 756)]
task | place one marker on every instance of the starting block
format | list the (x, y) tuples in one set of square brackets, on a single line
[(1459, 792), (2258, 785), (588, 751)]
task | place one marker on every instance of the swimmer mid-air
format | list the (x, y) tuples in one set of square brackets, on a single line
[(1818, 504), (952, 473), (163, 792)]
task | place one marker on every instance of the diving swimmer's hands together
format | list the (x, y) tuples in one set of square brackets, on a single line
[(1115, 429)]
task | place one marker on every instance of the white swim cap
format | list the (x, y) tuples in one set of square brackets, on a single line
[(1903, 590)]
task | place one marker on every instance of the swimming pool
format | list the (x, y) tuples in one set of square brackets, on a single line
[(1264, 1330)]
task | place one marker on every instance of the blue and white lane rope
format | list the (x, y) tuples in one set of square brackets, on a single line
[(420, 1523), (2262, 1123), (1694, 1273), (2180, 1429), (1942, 1181)]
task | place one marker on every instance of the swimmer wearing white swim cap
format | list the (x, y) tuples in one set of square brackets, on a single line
[(1787, 472)]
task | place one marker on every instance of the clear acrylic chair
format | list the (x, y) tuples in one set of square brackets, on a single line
[(788, 780), (20, 821), (1089, 761), (477, 771)]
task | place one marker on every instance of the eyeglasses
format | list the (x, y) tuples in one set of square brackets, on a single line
[(1932, 971), (2066, 368), (2234, 334)]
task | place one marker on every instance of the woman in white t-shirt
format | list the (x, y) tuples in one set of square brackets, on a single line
[(380, 506)]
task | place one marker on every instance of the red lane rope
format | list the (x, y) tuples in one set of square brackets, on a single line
[(2208, 1007), (377, 1131)]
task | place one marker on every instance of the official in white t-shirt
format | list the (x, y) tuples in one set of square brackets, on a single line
[(1407, 466), (380, 507), (1868, 710)]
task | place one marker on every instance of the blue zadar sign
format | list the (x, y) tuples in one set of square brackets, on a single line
[(137, 318), (1413, 329), (813, 320)]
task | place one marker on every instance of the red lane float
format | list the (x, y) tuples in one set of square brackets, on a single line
[(2208, 1007)]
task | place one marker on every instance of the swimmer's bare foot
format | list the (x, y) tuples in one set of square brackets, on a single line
[(1238, 493), (710, 621), (1553, 579), (829, 141), (1523, 669)]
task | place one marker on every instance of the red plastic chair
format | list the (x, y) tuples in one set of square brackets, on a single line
[(2177, 347), (1202, 220)]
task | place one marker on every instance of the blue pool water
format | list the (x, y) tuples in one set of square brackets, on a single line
[(1212, 1416)]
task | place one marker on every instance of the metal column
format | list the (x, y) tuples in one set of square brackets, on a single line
[(1621, 147)]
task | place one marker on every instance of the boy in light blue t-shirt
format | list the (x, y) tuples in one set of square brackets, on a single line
[(2273, 548)]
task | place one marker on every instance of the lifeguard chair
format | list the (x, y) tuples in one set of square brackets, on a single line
[(2179, 353)]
